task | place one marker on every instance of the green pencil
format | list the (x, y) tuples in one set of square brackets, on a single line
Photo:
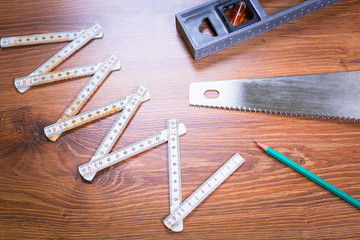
[(310, 175)]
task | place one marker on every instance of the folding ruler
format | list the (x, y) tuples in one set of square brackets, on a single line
[(43, 38), (23, 83), (174, 169), (87, 91), (128, 106), (228, 33), (102, 159), (94, 114), (79, 39), (176, 216)]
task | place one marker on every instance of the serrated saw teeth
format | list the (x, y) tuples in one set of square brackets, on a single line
[(254, 110)]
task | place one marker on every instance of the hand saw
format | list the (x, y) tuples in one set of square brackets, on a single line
[(330, 96)]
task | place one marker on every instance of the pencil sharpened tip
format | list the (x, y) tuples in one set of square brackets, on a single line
[(255, 142)]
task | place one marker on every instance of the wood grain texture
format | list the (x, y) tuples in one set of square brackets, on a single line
[(44, 197)]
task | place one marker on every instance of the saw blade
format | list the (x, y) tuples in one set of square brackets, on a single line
[(330, 95)]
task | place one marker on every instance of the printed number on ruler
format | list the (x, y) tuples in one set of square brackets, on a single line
[(86, 92), (42, 38), (174, 169), (203, 191), (65, 74), (64, 53), (89, 170)]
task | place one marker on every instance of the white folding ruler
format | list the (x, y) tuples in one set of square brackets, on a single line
[(42, 38), (173, 220), (89, 169), (174, 169), (85, 94), (80, 40), (88, 116), (119, 125), (69, 73)]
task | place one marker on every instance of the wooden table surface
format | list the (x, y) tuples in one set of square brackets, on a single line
[(43, 196)]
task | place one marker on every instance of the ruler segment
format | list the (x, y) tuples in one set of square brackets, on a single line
[(86, 117), (87, 91), (89, 169), (42, 38), (69, 73), (203, 191), (64, 53), (174, 169)]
